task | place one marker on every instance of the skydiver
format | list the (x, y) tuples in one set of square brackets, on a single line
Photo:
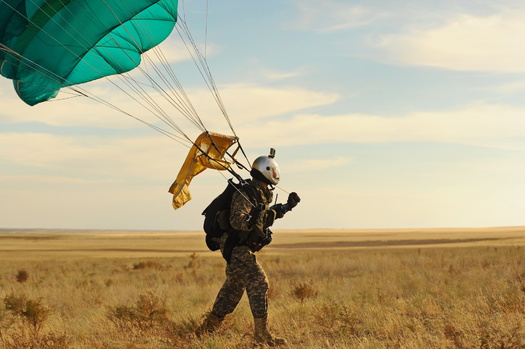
[(249, 233)]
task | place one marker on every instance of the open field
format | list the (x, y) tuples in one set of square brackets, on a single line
[(37, 244), (420, 288)]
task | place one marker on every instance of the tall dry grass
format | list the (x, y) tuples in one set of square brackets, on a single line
[(415, 298)]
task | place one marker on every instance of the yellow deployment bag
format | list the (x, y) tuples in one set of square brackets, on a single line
[(208, 151)]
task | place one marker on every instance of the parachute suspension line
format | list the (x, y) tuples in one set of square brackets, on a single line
[(181, 20), (218, 150), (144, 95), (136, 86), (215, 91), (205, 71), (241, 181), (154, 84), (82, 92), (232, 160), (245, 156), (24, 62), (183, 5), (52, 76), (154, 108), (227, 168), (182, 105), (110, 105), (180, 99), (202, 65), (206, 31), (231, 156), (220, 163)]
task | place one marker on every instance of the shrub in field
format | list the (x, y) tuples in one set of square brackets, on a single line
[(303, 291), (146, 314), (193, 264), (148, 265), (33, 312), (15, 304), (22, 322), (22, 276), (147, 322), (337, 320)]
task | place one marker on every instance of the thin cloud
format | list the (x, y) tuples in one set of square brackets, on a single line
[(92, 158), (273, 75), (20, 180), (464, 42), (174, 50), (477, 124), (333, 17), (318, 165), (254, 102), (507, 88), (245, 103)]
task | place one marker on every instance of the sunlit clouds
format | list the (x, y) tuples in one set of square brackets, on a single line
[(477, 124), (329, 16), (463, 42)]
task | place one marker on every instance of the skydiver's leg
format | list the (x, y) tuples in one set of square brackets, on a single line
[(232, 290), (257, 284), (257, 289)]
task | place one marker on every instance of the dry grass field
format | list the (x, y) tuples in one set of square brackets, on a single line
[(440, 288)]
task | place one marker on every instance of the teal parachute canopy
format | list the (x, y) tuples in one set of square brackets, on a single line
[(47, 45)]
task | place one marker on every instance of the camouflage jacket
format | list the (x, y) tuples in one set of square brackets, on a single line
[(241, 209)]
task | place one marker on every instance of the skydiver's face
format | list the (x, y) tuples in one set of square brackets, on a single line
[(276, 174)]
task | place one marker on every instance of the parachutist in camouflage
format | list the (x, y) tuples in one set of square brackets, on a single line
[(250, 220)]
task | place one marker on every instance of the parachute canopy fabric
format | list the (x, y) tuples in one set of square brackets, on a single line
[(207, 151), (49, 44)]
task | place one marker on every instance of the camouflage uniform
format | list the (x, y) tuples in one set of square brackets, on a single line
[(243, 272)]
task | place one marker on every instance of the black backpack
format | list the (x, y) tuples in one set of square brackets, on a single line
[(217, 214)]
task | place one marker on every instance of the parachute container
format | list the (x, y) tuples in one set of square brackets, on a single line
[(47, 45), (208, 151)]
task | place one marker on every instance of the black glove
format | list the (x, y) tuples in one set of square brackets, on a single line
[(279, 210), (293, 200), (255, 215)]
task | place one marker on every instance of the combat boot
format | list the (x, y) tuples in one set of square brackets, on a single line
[(263, 336), (210, 324)]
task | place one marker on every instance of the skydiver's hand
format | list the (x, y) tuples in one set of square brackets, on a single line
[(255, 215), (293, 200)]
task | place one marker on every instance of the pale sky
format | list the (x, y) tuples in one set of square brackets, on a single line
[(384, 114)]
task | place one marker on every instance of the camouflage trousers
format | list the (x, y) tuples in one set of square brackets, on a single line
[(243, 273)]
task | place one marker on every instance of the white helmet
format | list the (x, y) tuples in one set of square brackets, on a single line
[(267, 167)]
